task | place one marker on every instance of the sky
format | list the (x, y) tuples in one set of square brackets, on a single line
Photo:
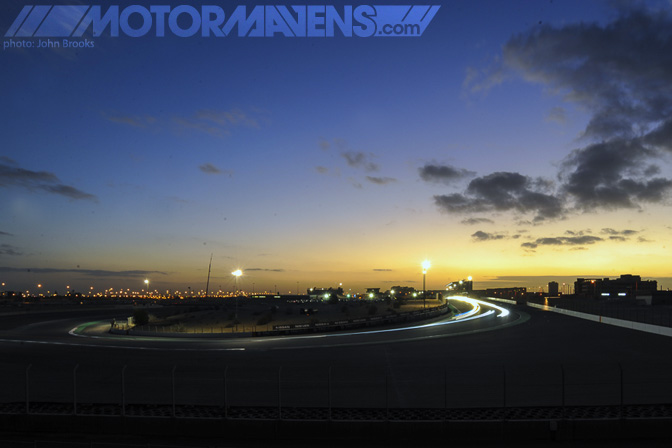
[(517, 142)]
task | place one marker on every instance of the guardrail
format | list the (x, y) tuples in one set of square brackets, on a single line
[(655, 329)]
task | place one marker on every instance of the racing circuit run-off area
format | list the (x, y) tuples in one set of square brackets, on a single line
[(497, 369)]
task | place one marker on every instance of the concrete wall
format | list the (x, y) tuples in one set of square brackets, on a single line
[(656, 329)]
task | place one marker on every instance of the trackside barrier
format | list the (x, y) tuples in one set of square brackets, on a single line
[(252, 330), (495, 299), (655, 329), (280, 391)]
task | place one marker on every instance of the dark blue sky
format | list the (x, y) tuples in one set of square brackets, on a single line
[(344, 159)]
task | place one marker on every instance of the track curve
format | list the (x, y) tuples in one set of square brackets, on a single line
[(483, 316)]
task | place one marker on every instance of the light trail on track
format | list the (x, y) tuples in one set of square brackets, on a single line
[(429, 330)]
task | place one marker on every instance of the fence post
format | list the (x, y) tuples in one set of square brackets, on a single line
[(562, 378), (504, 385), (279, 394), (329, 392), (620, 368), (226, 402), (74, 389), (387, 396), (445, 388), (28, 389), (123, 391), (173, 391)]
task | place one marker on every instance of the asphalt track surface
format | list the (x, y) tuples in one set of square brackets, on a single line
[(523, 358)]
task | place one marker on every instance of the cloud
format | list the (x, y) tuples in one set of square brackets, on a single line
[(484, 236), (504, 191), (383, 270), (619, 72), (264, 270), (322, 169), (324, 144), (86, 272), (219, 123), (578, 232), (12, 176), (68, 191), (5, 233), (381, 180), (626, 232), (610, 175), (132, 120), (445, 174), (7, 249), (474, 221), (358, 160), (228, 118), (562, 241), (558, 115), (209, 168)]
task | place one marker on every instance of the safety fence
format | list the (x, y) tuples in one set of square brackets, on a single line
[(118, 390)]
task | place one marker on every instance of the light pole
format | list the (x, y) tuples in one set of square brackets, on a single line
[(237, 273), (147, 286), (425, 265)]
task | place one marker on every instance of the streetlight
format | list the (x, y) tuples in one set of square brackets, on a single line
[(237, 273), (425, 265), (147, 286)]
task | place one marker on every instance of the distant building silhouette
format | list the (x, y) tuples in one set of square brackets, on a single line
[(626, 286), (553, 289), (507, 293)]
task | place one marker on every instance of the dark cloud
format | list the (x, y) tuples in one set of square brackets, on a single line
[(12, 176), (611, 175), (5, 233), (381, 180), (578, 232), (357, 159), (444, 174), (7, 249), (620, 73), (504, 191), (474, 221), (322, 169), (626, 232), (86, 272), (563, 241), (68, 191), (209, 168), (485, 236)]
